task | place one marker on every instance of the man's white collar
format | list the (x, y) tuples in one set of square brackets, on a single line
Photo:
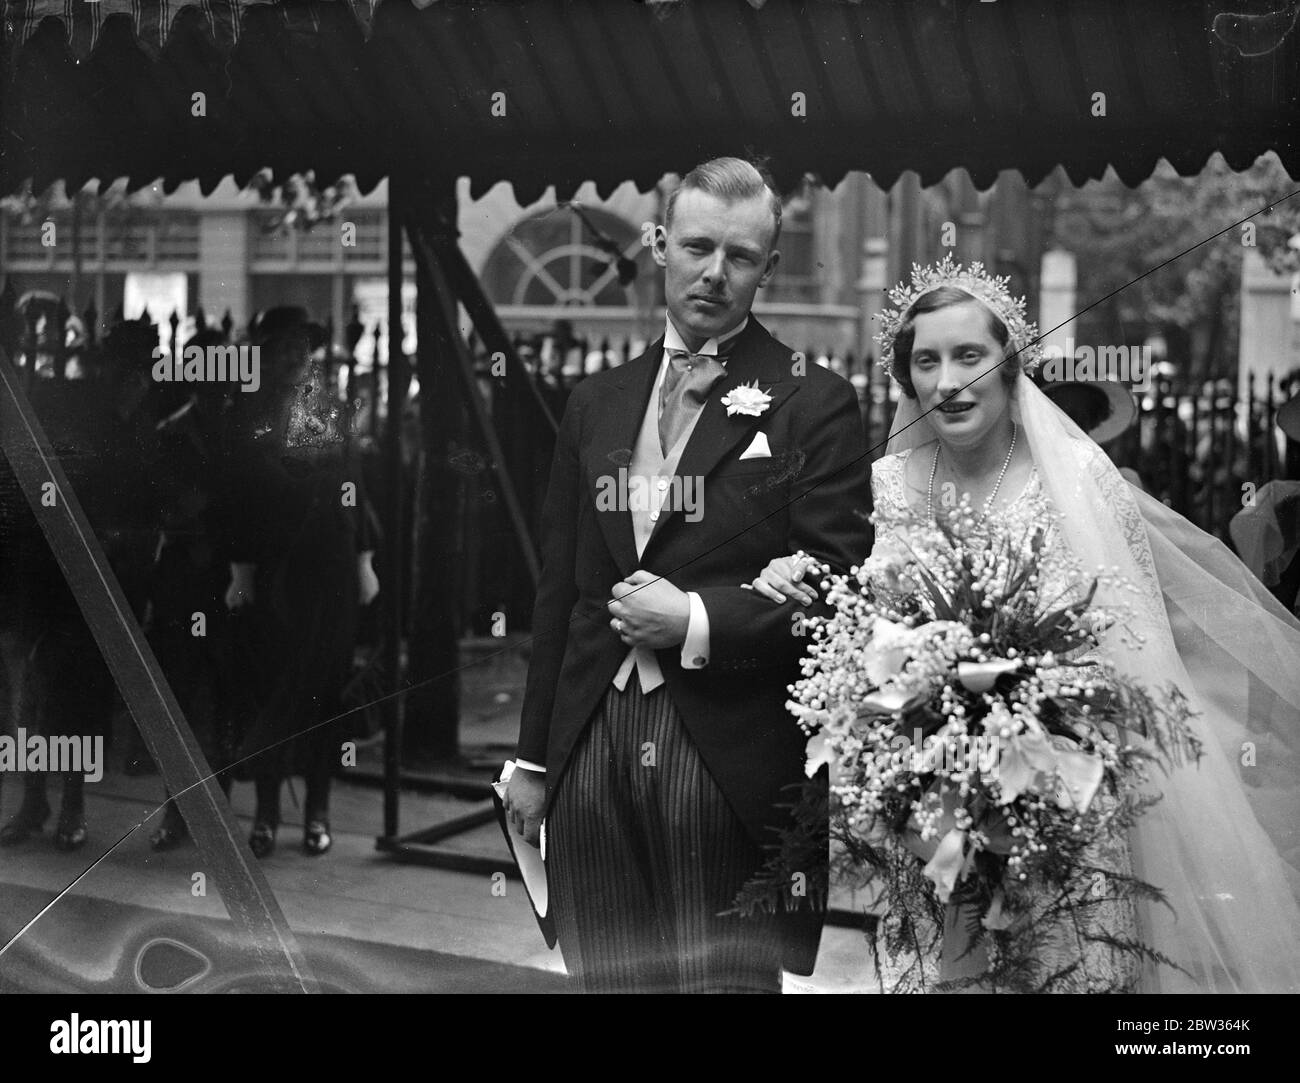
[(673, 339)]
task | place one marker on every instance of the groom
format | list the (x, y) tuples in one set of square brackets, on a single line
[(654, 736)]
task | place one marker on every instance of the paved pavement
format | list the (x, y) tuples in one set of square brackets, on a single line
[(365, 920)]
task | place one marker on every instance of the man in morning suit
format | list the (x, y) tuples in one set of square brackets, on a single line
[(654, 737)]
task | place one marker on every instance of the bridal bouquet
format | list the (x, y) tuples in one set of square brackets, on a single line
[(981, 752)]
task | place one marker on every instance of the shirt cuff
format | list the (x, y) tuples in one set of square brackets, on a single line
[(528, 765), (695, 648)]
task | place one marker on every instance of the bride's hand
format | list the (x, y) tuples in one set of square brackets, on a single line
[(783, 577)]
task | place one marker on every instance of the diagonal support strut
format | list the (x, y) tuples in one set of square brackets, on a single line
[(243, 887)]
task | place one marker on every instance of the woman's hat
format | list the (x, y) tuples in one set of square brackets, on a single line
[(1104, 409), (284, 319)]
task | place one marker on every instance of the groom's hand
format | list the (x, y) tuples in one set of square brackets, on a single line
[(648, 611), (523, 800)]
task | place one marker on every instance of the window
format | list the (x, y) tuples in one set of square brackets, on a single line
[(23, 241), (553, 259), (177, 238), (272, 246), (126, 237), (129, 235), (371, 236), (320, 247), (321, 244)]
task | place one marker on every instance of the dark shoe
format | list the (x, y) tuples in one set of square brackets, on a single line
[(71, 832), (169, 836), (262, 840), (23, 824), (316, 837)]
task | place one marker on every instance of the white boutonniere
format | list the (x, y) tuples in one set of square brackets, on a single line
[(746, 399)]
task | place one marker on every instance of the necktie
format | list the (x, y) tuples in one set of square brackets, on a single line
[(687, 383)]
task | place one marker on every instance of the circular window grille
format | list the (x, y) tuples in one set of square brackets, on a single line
[(552, 259)]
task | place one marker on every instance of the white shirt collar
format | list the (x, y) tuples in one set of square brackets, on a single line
[(673, 339)]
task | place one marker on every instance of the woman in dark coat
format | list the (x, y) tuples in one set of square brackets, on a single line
[(300, 558), (191, 572)]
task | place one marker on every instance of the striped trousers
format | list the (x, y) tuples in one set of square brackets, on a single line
[(644, 852)]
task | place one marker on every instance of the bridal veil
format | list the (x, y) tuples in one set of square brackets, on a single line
[(1223, 844)]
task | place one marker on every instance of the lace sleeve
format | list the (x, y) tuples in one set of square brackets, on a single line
[(877, 483), (887, 485)]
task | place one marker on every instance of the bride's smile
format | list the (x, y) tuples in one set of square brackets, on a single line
[(953, 353)]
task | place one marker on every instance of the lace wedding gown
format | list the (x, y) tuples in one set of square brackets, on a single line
[(1078, 936), (1222, 843)]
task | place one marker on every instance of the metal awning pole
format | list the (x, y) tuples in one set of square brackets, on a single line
[(433, 707), (394, 564), (430, 255), (469, 291)]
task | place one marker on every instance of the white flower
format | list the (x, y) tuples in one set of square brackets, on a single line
[(889, 700), (746, 399), (817, 752), (980, 676), (947, 865), (1079, 775), (1033, 760), (889, 649), (1027, 758)]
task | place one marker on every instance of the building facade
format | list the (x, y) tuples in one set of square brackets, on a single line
[(539, 264)]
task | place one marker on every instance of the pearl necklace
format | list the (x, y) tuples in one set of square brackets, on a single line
[(988, 504)]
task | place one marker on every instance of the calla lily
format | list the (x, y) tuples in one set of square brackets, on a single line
[(1080, 776), (890, 700), (890, 648), (945, 867), (816, 753), (980, 676), (1025, 758), (943, 864), (1032, 761)]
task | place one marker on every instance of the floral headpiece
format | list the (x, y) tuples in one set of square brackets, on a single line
[(990, 290)]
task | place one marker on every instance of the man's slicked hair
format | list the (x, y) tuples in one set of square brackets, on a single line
[(730, 179)]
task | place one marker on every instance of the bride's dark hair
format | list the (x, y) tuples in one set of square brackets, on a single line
[(944, 297)]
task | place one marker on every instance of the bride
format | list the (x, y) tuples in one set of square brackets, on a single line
[(1221, 844)]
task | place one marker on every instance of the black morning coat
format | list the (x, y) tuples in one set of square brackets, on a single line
[(812, 494)]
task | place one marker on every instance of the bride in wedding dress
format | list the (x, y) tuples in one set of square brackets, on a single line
[(1223, 842)]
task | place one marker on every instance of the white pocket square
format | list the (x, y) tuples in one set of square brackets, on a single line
[(758, 449)]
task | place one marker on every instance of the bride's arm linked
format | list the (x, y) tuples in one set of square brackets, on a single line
[(788, 578)]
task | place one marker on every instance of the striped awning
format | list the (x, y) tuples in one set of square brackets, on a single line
[(561, 91)]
